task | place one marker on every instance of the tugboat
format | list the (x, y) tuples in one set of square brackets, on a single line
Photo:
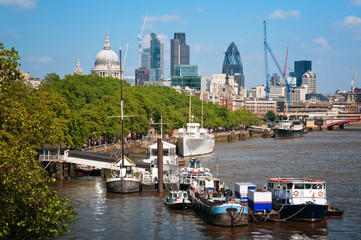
[(298, 198), (288, 128), (191, 173), (216, 205), (177, 200)]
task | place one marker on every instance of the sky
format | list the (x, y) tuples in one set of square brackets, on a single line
[(51, 36)]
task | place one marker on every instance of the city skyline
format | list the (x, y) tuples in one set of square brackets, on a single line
[(52, 36)]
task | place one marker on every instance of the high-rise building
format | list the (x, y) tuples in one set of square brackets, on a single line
[(186, 70), (309, 79), (145, 58), (232, 64), (179, 52), (141, 76), (300, 68), (156, 57)]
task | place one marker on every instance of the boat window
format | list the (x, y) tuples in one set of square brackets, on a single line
[(299, 186), (154, 152), (184, 195), (316, 186), (270, 185), (166, 152), (308, 186), (174, 195), (289, 185)]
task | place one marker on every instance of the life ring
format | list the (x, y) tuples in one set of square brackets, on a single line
[(296, 193), (320, 193)]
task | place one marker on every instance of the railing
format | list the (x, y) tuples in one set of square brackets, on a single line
[(51, 158)]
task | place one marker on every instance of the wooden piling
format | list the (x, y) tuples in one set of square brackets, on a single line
[(160, 165)]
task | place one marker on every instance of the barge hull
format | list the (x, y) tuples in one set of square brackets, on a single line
[(302, 212), (123, 186)]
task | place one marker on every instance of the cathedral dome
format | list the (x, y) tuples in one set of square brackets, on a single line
[(107, 62), (106, 55)]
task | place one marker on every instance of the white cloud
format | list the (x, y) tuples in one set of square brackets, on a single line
[(202, 48), (198, 9), (350, 20), (19, 4), (322, 42), (40, 60), (356, 2), (163, 39), (280, 14), (164, 18)]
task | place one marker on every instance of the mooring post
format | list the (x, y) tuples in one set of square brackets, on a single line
[(160, 165), (61, 165)]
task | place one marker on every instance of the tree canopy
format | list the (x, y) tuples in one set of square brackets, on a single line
[(92, 99), (29, 209)]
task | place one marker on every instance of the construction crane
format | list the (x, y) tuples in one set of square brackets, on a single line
[(266, 61), (125, 58), (284, 70), (288, 87), (140, 41), (353, 82)]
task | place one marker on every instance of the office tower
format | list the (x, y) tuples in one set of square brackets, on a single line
[(145, 58), (309, 79), (300, 68), (141, 75), (156, 58), (179, 52), (186, 70), (232, 64)]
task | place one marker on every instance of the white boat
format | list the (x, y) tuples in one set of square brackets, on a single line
[(298, 198), (149, 177), (177, 200), (288, 128), (194, 140), (169, 154), (191, 173)]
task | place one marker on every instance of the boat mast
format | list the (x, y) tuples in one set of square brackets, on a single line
[(121, 109), (190, 104), (202, 113)]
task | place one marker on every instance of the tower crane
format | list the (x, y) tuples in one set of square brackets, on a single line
[(353, 82), (125, 58), (284, 70), (266, 61), (288, 87), (140, 41)]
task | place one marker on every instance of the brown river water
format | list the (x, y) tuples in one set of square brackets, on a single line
[(333, 156)]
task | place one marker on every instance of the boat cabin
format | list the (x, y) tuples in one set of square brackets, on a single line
[(169, 154), (291, 191)]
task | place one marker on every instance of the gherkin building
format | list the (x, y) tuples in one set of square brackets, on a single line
[(232, 64)]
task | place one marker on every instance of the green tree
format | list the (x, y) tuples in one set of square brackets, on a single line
[(28, 119), (270, 116)]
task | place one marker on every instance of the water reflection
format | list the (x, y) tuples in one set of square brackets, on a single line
[(330, 156)]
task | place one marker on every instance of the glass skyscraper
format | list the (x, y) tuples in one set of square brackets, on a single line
[(300, 68), (179, 52), (232, 64), (156, 57)]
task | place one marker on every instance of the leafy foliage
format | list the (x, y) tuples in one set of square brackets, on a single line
[(270, 116), (28, 119), (92, 99)]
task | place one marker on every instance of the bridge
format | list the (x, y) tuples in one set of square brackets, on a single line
[(338, 121)]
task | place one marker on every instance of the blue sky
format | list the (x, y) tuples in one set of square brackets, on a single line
[(51, 35)]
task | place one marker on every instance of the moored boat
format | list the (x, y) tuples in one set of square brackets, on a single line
[(215, 205), (191, 173), (288, 128), (177, 200), (194, 141), (298, 198)]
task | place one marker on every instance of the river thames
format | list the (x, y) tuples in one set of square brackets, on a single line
[(333, 156)]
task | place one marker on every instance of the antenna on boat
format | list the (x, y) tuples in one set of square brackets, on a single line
[(217, 165)]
